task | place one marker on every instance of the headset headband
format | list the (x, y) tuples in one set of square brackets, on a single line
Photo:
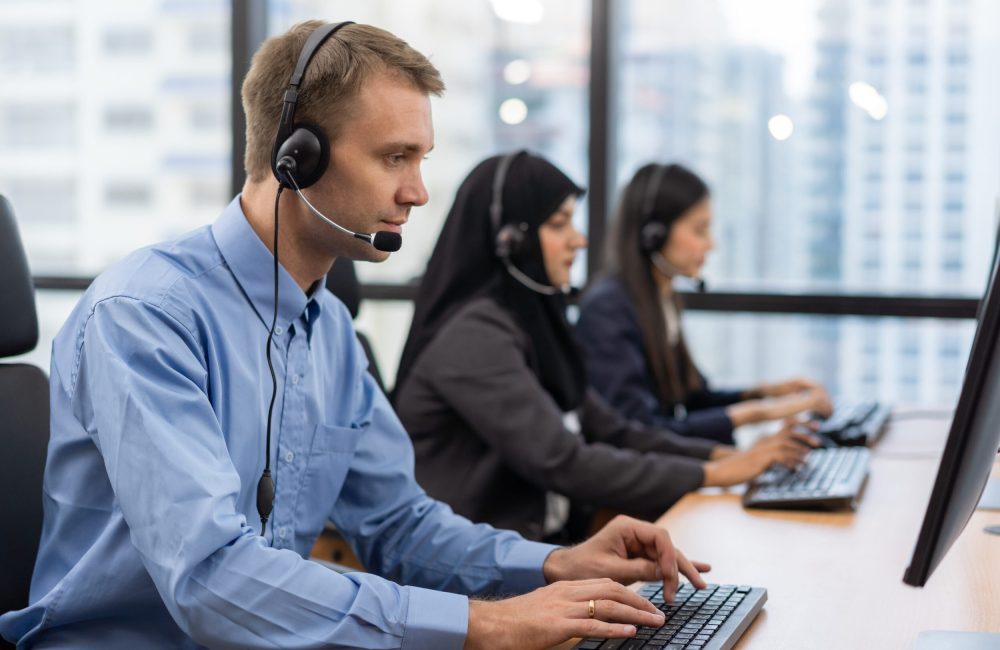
[(652, 188), (312, 45), (499, 178)]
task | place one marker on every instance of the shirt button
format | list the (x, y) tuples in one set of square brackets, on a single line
[(289, 456), (281, 532), (279, 330), (295, 379)]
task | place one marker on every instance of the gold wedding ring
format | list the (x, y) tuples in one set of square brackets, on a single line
[(592, 606)]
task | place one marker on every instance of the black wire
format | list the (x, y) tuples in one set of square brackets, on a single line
[(270, 365)]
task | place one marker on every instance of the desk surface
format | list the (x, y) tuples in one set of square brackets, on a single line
[(834, 580)]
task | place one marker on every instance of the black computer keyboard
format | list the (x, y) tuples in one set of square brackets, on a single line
[(855, 423), (831, 479), (700, 619)]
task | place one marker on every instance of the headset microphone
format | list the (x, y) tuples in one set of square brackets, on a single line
[(672, 272), (388, 242)]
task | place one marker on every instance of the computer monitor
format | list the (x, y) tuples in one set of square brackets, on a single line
[(972, 445)]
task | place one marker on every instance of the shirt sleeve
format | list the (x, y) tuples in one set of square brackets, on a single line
[(603, 423), (481, 371), (398, 531), (139, 388)]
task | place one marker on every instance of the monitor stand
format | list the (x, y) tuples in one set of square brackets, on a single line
[(991, 496), (939, 640)]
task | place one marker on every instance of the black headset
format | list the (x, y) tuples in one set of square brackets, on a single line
[(508, 239), (653, 235), (301, 149)]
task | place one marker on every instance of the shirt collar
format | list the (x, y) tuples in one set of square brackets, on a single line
[(252, 264)]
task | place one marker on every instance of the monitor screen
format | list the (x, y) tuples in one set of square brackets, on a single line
[(971, 448)]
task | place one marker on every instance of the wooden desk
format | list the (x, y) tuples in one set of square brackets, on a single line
[(834, 580)]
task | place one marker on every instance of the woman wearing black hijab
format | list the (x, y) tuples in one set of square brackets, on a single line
[(492, 387)]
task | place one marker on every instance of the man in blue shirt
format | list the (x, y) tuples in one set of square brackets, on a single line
[(159, 405)]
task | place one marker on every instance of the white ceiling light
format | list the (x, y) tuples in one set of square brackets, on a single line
[(517, 72), (519, 11), (513, 111), (781, 127)]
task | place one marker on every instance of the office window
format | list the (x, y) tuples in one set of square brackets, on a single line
[(127, 41), (27, 126), (128, 119), (516, 76), (857, 358), (35, 48), (42, 201), (105, 105), (127, 195), (958, 57), (701, 81)]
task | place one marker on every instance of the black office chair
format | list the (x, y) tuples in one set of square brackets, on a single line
[(24, 420), (342, 282)]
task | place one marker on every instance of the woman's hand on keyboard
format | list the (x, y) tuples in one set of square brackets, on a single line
[(776, 408), (788, 447)]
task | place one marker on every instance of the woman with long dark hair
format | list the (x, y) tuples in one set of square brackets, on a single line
[(492, 387), (630, 323)]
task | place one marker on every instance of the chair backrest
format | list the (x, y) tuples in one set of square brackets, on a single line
[(19, 331), (24, 420), (342, 282)]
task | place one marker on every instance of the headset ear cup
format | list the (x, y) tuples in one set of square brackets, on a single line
[(509, 241), (308, 147), (652, 237)]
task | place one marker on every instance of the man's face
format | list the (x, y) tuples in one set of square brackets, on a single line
[(374, 175)]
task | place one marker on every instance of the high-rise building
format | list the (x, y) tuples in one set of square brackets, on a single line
[(113, 124), (901, 196)]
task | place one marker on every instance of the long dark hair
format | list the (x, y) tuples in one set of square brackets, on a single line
[(679, 189)]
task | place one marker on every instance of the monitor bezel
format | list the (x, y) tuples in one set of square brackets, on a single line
[(981, 357)]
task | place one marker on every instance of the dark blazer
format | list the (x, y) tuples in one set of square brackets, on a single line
[(608, 331), (490, 441)]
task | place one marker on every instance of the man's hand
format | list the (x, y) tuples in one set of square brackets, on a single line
[(788, 447), (626, 550), (556, 613)]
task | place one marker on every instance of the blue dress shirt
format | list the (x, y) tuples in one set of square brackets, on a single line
[(160, 389)]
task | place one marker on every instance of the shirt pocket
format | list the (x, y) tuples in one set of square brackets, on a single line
[(329, 462)]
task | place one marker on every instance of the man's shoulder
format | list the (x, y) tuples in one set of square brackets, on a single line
[(170, 275)]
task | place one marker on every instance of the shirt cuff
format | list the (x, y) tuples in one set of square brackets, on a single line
[(712, 423), (435, 619), (522, 566)]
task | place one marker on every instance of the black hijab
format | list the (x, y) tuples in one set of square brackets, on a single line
[(464, 266)]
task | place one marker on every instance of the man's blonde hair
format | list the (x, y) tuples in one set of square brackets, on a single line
[(333, 78)]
